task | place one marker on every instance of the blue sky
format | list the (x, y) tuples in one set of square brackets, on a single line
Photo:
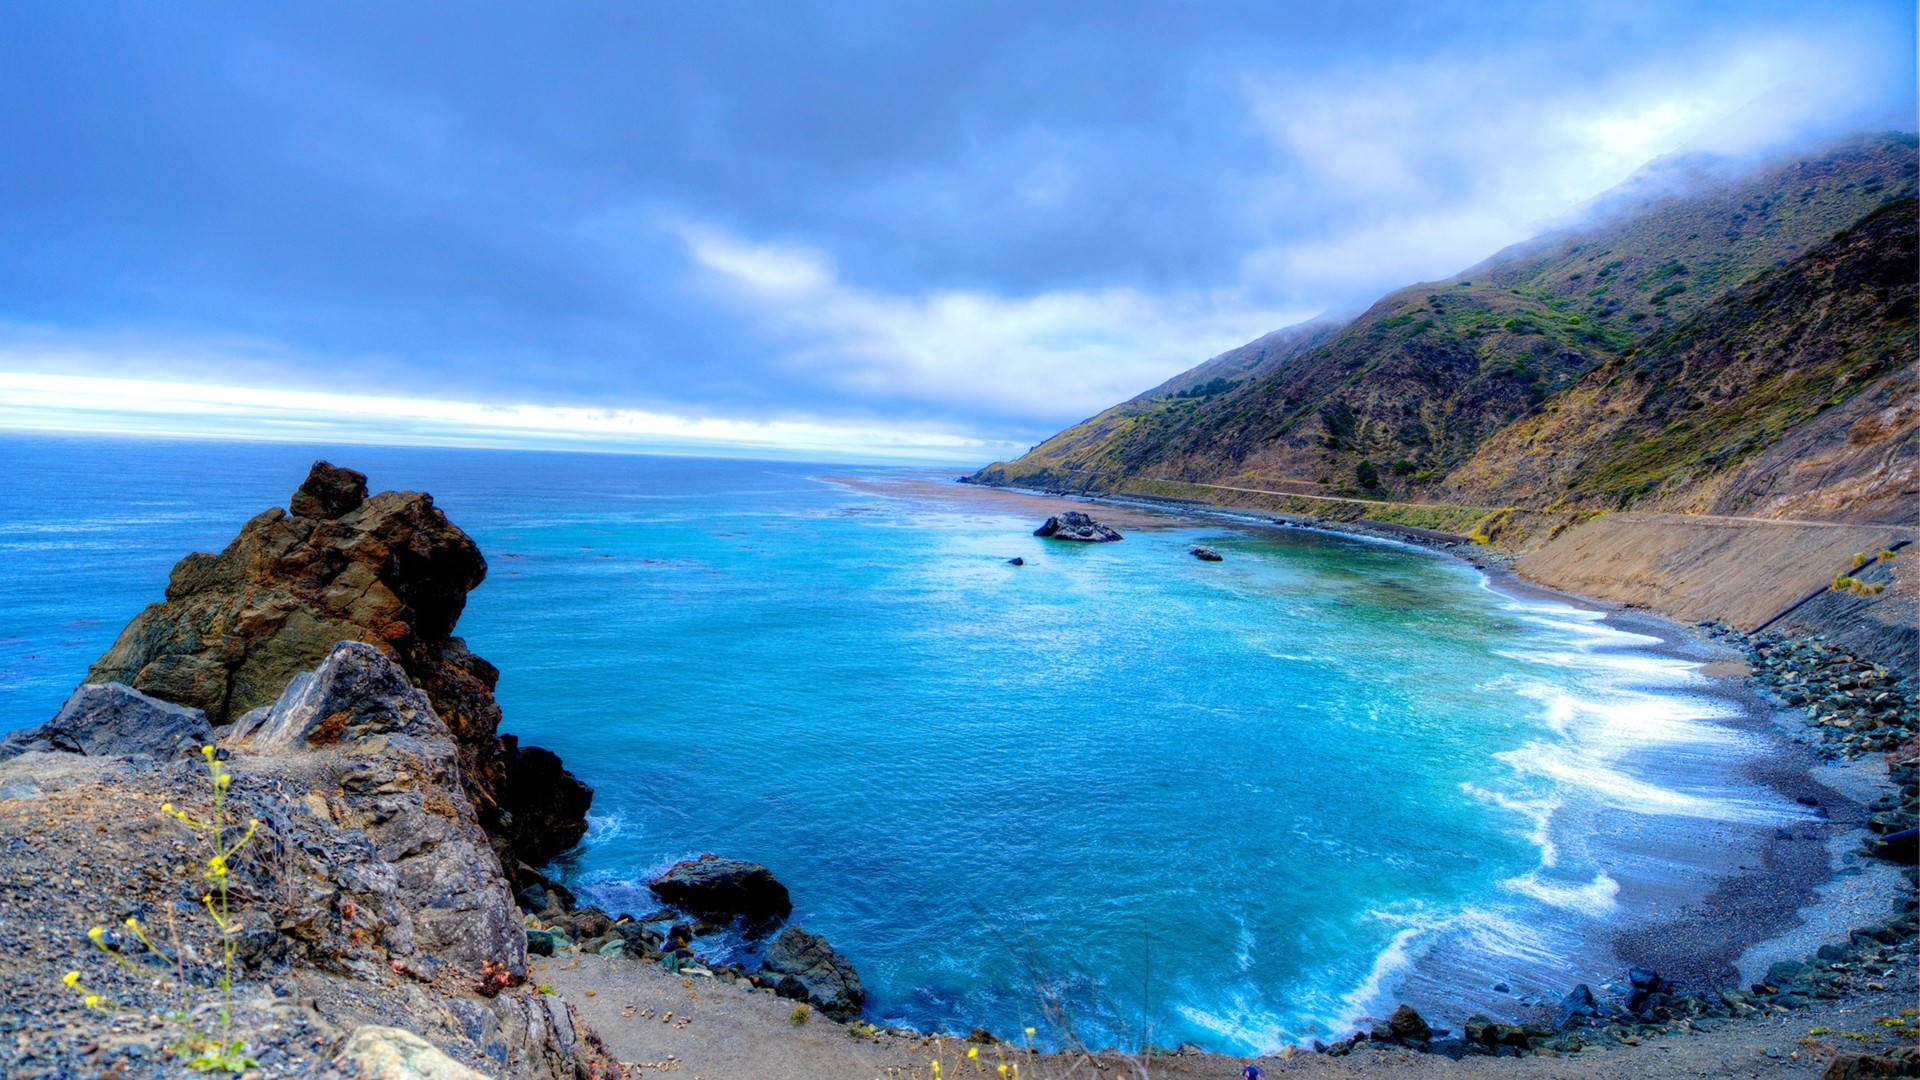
[(918, 230)]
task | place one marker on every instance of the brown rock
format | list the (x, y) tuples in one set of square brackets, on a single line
[(389, 570)]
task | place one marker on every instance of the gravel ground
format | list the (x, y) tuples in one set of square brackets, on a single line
[(696, 1027)]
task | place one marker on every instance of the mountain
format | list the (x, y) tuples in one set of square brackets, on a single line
[(1492, 387)]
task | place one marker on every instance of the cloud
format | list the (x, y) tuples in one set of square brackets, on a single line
[(986, 219), (1420, 169), (84, 403), (1036, 358)]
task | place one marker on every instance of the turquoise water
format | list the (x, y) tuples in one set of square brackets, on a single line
[(1238, 802)]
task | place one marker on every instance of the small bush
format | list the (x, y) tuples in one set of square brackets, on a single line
[(800, 1014)]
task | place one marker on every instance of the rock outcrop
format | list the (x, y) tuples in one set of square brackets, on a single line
[(713, 887), (368, 892), (396, 781), (1074, 525), (804, 967), (109, 718), (1206, 554), (388, 570)]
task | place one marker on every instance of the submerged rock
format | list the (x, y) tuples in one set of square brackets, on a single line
[(1206, 554), (388, 570), (713, 886), (1016, 561), (1074, 525), (113, 719), (804, 967)]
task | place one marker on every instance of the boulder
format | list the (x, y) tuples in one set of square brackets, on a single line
[(388, 570), (713, 886), (1902, 1061), (1207, 554), (1646, 985), (1408, 1026), (1576, 1006), (113, 719), (1901, 847), (1074, 525), (804, 967), (1016, 561), (389, 1053)]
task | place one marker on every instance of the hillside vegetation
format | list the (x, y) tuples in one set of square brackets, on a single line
[(1681, 350)]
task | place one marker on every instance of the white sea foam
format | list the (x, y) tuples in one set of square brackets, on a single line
[(1595, 898), (1240, 1022), (1392, 961), (602, 828), (1538, 812)]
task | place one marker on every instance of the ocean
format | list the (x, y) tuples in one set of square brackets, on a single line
[(1238, 804)]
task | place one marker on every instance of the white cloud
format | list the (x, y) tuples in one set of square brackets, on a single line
[(1063, 352), (42, 401), (1422, 170)]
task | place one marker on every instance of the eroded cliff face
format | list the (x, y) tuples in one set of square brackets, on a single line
[(368, 896), (388, 570)]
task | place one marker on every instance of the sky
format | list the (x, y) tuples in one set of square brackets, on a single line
[(897, 231)]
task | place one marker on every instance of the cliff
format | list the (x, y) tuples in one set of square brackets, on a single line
[(362, 894), (388, 570)]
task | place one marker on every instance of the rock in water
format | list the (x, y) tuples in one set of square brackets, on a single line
[(1074, 525), (548, 805), (114, 719), (1207, 554), (388, 570), (802, 966), (713, 886)]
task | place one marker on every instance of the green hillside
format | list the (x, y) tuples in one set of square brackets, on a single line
[(1397, 401)]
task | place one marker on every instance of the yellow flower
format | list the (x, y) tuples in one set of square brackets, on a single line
[(132, 923), (1029, 1033), (96, 933), (92, 1000), (71, 978), (166, 808), (207, 752), (973, 1051), (1003, 1068)]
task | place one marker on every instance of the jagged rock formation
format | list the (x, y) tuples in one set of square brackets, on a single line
[(396, 777), (1074, 525), (388, 570), (803, 966), (368, 889)]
